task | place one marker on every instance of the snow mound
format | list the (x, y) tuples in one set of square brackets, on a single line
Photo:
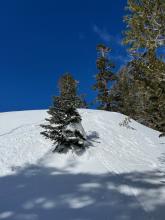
[(120, 176)]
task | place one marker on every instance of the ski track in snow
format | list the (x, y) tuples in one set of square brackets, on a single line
[(116, 151)]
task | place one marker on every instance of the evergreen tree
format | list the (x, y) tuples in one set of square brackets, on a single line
[(103, 77), (64, 124), (145, 25), (140, 93), (151, 85), (120, 92), (68, 87), (144, 34)]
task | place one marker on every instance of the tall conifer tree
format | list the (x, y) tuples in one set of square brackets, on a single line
[(145, 33), (103, 77)]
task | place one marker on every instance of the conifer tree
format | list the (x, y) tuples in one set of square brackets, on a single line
[(68, 87), (64, 124), (103, 77), (144, 34), (145, 25), (140, 92)]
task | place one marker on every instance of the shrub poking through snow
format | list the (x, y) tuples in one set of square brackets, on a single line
[(126, 123)]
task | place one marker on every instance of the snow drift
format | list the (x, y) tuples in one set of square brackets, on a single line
[(119, 177)]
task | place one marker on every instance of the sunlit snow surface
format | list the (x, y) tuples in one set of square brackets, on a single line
[(121, 176)]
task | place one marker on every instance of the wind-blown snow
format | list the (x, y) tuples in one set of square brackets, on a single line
[(121, 176)]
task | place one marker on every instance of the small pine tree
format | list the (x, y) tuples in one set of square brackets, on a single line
[(103, 77), (64, 125)]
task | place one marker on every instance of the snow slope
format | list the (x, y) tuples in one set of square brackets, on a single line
[(121, 176)]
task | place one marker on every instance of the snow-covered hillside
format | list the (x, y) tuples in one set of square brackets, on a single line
[(121, 176)]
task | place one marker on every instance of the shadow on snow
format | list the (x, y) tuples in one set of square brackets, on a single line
[(40, 193)]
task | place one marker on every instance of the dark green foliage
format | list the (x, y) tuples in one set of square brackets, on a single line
[(140, 89), (68, 87), (151, 83), (140, 92), (145, 25), (64, 125), (103, 77)]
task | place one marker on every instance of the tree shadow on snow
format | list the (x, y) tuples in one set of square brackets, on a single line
[(40, 193), (93, 136)]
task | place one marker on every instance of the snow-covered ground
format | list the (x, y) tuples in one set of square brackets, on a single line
[(121, 176)]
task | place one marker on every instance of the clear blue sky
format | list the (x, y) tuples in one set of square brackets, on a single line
[(42, 39)]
